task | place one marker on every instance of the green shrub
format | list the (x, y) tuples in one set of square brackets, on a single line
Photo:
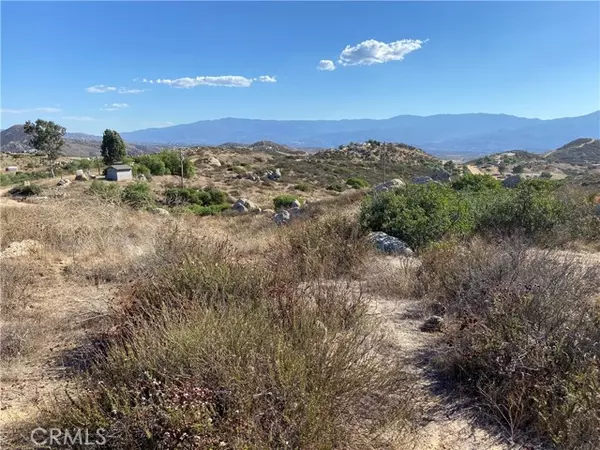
[(191, 196), (305, 187), (138, 195), (26, 190), (357, 183), (547, 175), (105, 190), (283, 201), (418, 214), (476, 183), (140, 169), (531, 208), (337, 187), (167, 162), (6, 179)]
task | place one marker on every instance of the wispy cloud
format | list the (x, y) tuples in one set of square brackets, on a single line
[(326, 64), (222, 81), (100, 89), (103, 89), (130, 91), (114, 106), (21, 111), (78, 118), (375, 52)]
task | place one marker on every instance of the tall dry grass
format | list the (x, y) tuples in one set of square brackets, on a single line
[(255, 346)]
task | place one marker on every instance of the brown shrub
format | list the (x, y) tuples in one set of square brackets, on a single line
[(525, 338)]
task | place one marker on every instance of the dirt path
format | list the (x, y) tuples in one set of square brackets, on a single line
[(447, 424)]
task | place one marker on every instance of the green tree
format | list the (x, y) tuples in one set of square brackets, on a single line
[(47, 137), (518, 169), (113, 147)]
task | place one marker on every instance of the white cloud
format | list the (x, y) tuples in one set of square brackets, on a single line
[(222, 81), (375, 52), (100, 89), (78, 118), (114, 106), (266, 79), (326, 64)]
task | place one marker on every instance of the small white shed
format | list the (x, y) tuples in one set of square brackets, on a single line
[(119, 172)]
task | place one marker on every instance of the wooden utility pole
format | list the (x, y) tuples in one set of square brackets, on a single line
[(181, 161)]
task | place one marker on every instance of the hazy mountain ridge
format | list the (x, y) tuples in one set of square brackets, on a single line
[(14, 140), (470, 133)]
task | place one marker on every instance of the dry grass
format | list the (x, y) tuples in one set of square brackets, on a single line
[(233, 313)]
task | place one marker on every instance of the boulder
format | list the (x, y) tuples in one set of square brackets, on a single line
[(212, 161), (390, 185), (512, 181), (282, 218), (63, 182), (422, 180), (433, 324), (80, 176), (141, 177), (273, 174), (295, 204), (268, 211), (245, 205), (441, 175), (389, 244), (161, 211)]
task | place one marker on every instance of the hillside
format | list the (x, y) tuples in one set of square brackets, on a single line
[(14, 140), (373, 151), (581, 151), (468, 133)]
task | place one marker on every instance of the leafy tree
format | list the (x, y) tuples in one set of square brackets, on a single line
[(47, 137), (518, 169), (502, 167), (113, 147)]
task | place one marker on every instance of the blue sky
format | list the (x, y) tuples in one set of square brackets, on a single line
[(83, 64)]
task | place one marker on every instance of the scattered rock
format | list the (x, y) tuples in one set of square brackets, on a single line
[(63, 182), (296, 204), (141, 177), (161, 211), (212, 161), (433, 324), (80, 176), (389, 244), (245, 205), (390, 185), (422, 180), (21, 248), (273, 174), (441, 175), (282, 218), (268, 211)]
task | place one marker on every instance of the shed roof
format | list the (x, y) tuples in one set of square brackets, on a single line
[(120, 167)]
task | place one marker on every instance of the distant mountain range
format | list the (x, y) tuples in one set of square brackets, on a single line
[(439, 134), (443, 135)]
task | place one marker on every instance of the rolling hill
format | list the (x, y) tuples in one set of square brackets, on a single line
[(14, 140), (581, 151)]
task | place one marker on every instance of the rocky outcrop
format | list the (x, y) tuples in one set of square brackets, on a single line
[(389, 244)]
